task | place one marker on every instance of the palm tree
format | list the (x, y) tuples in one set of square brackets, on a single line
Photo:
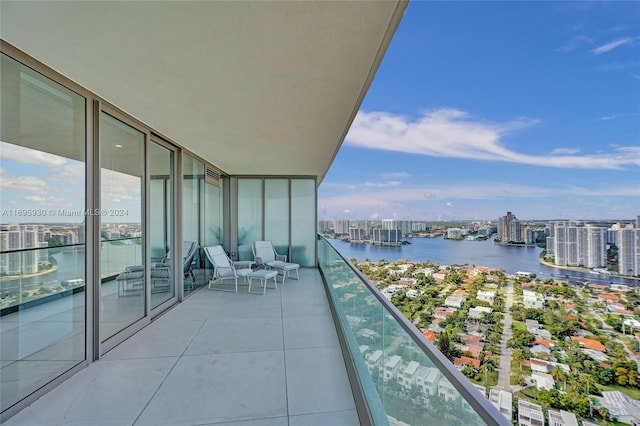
[(518, 356), (559, 375), (488, 367)]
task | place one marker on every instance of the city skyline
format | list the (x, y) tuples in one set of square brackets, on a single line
[(483, 108)]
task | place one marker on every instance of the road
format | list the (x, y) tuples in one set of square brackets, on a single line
[(504, 371)]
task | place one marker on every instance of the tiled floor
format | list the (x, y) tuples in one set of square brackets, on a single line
[(218, 358)]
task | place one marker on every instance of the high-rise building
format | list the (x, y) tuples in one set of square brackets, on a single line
[(418, 227), (386, 236), (341, 227), (18, 238), (629, 251), (510, 229), (357, 235), (574, 244), (389, 224)]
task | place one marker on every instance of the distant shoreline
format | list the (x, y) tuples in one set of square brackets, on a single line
[(581, 269), (35, 274)]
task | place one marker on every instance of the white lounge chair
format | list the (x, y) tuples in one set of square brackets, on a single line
[(225, 269), (265, 255)]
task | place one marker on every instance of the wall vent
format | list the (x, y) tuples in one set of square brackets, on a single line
[(211, 175)]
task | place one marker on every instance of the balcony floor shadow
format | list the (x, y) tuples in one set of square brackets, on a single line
[(218, 358)]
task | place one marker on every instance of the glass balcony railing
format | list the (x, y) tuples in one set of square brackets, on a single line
[(29, 277), (403, 378)]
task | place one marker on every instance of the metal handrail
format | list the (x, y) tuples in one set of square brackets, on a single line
[(481, 405)]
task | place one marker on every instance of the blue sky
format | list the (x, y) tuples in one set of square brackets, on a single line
[(480, 108)]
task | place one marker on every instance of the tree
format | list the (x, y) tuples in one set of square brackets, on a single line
[(517, 356), (559, 375)]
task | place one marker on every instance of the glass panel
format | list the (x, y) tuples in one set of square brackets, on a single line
[(401, 383), (276, 214), (192, 180), (249, 216), (42, 231), (122, 293), (211, 225), (303, 221), (161, 226)]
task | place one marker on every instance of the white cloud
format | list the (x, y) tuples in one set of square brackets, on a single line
[(383, 201), (453, 133), (395, 175), (24, 184), (49, 201), (575, 43), (29, 156), (616, 116), (611, 45), (565, 151), (382, 184)]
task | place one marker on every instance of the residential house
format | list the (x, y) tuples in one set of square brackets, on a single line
[(529, 414), (502, 400), (561, 418)]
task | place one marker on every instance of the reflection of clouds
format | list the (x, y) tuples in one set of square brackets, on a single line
[(24, 184), (21, 154), (72, 172), (119, 188), (49, 201)]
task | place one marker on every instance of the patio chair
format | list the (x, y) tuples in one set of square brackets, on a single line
[(265, 255), (226, 269), (190, 249)]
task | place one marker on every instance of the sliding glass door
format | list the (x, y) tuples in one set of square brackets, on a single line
[(122, 254), (162, 250)]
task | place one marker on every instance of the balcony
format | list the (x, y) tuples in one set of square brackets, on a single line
[(315, 351), (220, 358)]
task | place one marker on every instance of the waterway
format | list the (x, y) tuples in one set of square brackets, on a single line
[(480, 253), (71, 265)]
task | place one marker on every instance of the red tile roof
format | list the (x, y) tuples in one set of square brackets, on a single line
[(465, 360), (609, 296), (545, 342), (598, 286), (589, 343), (430, 335), (473, 340)]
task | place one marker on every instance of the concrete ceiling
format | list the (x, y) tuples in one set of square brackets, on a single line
[(253, 87)]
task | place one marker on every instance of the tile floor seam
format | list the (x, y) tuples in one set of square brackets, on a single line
[(284, 357), (167, 375)]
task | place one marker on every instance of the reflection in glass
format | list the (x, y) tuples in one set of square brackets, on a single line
[(161, 226), (303, 221), (249, 216), (276, 213), (42, 251), (122, 293), (192, 181)]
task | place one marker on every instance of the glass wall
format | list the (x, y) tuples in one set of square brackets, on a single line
[(202, 212), (161, 224), (288, 207), (122, 179), (303, 221), (249, 216), (42, 231), (276, 214), (211, 215)]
